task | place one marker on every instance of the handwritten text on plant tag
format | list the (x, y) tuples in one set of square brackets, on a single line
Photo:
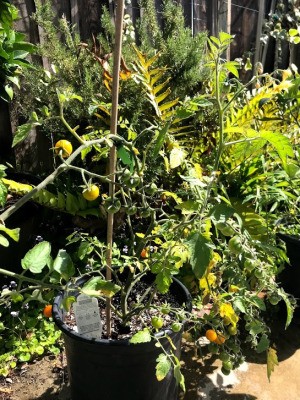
[(87, 317)]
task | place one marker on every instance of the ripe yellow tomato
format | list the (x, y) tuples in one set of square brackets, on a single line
[(64, 147), (91, 193), (211, 335)]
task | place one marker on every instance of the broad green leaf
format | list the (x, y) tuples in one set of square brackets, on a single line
[(201, 102), (16, 297), (85, 248), (263, 344), (23, 131), (293, 32), (163, 366), (289, 308), (201, 253), (12, 233), (253, 222), (188, 207), (240, 304), (221, 212), (3, 241), (24, 357), (72, 205), (177, 156), (126, 157), (67, 302), (15, 80), (232, 67), (258, 302), (39, 350), (63, 264), (225, 38), (37, 257), (143, 336), (272, 361), (98, 286), (179, 377), (281, 144), (3, 193), (9, 91), (163, 281), (160, 139)]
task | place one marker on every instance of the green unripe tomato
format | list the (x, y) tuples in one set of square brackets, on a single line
[(131, 210), (133, 181), (112, 205), (274, 299), (176, 326), (227, 365), (258, 273), (225, 371), (151, 189), (213, 348), (157, 322), (225, 229), (224, 356), (145, 212), (249, 264), (232, 330), (235, 245), (126, 175), (165, 310)]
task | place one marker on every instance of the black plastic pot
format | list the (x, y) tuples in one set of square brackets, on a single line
[(290, 276), (115, 369)]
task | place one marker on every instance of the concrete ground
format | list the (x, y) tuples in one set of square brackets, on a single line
[(249, 382)]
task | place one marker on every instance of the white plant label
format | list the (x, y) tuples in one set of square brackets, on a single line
[(87, 317)]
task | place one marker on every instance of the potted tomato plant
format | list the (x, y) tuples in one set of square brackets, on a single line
[(183, 220)]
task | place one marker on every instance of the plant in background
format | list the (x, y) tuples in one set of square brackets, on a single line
[(13, 51), (85, 68)]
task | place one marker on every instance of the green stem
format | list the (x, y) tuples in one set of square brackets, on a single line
[(50, 178), (70, 129), (30, 280)]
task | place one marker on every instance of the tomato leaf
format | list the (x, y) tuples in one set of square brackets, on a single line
[(201, 253), (177, 156), (37, 257), (263, 344), (3, 241), (12, 233), (163, 366), (63, 264), (163, 281), (97, 286), (160, 139), (141, 337), (179, 377), (272, 361), (126, 157), (23, 131)]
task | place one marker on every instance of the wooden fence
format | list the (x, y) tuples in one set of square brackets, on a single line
[(242, 18)]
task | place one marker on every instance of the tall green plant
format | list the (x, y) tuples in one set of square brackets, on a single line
[(13, 51)]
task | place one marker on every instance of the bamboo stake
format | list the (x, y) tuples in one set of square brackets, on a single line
[(228, 27), (261, 15), (112, 153)]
